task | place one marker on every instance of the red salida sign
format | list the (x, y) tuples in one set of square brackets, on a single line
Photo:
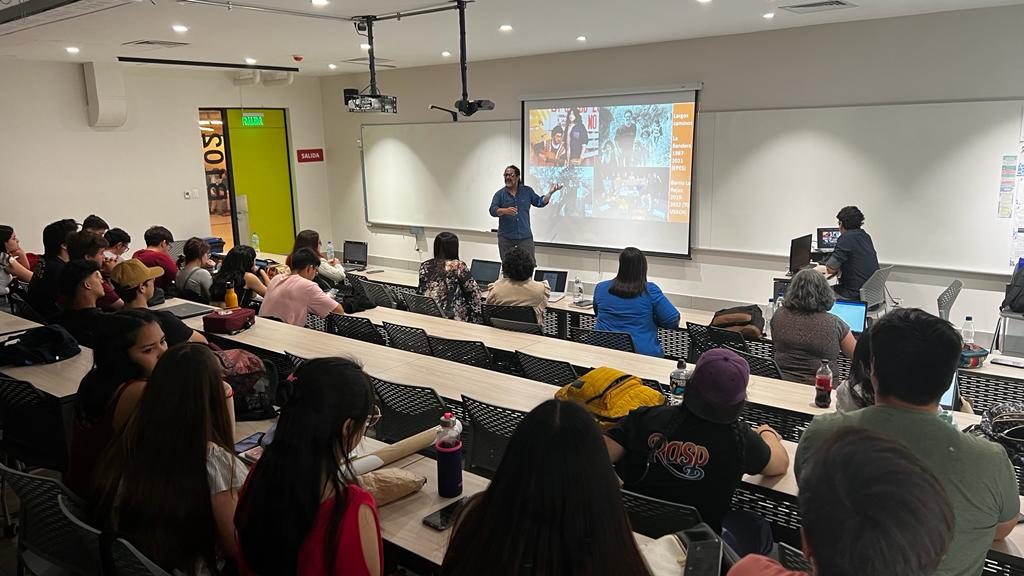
[(310, 155)]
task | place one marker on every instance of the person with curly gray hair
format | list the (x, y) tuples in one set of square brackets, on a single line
[(804, 332)]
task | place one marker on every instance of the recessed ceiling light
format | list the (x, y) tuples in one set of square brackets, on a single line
[(320, 2), (364, 47), (505, 27), (72, 50), (581, 38), (704, 1), (332, 66), (446, 54), (250, 61), (179, 28), (769, 15)]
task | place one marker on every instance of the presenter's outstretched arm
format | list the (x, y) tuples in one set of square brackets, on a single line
[(547, 197)]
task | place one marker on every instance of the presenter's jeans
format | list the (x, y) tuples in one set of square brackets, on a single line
[(506, 244)]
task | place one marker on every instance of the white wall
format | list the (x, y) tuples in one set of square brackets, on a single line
[(949, 56), (53, 165)]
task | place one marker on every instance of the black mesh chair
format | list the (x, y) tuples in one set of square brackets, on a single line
[(422, 304), (760, 366), (461, 351), (614, 340), (405, 410), (727, 338), (21, 308), (378, 294), (513, 326), (314, 322), (83, 538), (294, 360), (408, 338), (554, 372), (655, 518), (32, 425), (120, 558), (700, 341), (514, 313), (492, 427), (354, 327), (793, 559)]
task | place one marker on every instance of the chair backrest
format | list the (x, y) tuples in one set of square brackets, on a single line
[(33, 426), (120, 558), (408, 338), (492, 427), (513, 326), (354, 327), (514, 313), (461, 351), (655, 518), (873, 290), (727, 338), (22, 309), (422, 304), (554, 372), (176, 248), (948, 297), (405, 410), (378, 294), (82, 538), (793, 559), (760, 366), (700, 341), (614, 340), (293, 359), (314, 322)]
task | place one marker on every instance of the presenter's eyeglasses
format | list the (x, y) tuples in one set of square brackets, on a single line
[(509, 174)]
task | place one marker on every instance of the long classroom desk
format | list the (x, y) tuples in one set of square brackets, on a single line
[(9, 324)]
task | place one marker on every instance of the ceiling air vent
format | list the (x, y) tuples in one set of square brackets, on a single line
[(824, 5), (155, 43), (365, 61), (26, 14)]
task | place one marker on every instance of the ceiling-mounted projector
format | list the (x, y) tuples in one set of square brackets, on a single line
[(370, 103), (470, 107)]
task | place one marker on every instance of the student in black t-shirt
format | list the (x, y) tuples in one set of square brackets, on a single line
[(697, 453), (44, 289), (854, 258), (81, 286), (135, 285)]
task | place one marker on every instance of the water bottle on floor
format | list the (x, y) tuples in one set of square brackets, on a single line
[(449, 457), (256, 242), (823, 386), (968, 330), (330, 250)]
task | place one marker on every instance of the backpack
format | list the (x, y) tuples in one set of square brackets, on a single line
[(746, 320), (609, 394), (1004, 425), (42, 345), (1014, 300), (253, 381)]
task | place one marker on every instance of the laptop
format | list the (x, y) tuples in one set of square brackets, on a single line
[(485, 272), (853, 312), (827, 239), (354, 256), (951, 397), (799, 254), (556, 279), (187, 310)]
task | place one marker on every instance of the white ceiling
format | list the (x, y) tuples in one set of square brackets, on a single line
[(540, 26)]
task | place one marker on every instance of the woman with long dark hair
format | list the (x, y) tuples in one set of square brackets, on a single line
[(553, 507), (239, 268), (330, 270), (856, 391), (447, 280), (631, 304), (127, 346), (13, 260), (171, 481), (302, 511)]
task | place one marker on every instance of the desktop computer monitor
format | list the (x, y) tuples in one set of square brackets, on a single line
[(557, 279), (827, 238), (853, 312), (799, 253)]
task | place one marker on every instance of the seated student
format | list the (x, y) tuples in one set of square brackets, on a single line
[(239, 269), (631, 304), (136, 285), (517, 287), (330, 270), (302, 510), (13, 261), (158, 242), (44, 289), (95, 225), (868, 507), (128, 344), (81, 284), (854, 257), (856, 391), (553, 507), (89, 246), (913, 357), (291, 297), (447, 280), (170, 483), (119, 241), (647, 446), (194, 279), (805, 333)]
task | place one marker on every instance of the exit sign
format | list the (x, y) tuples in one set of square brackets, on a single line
[(252, 119)]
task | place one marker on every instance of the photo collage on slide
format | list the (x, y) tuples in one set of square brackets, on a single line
[(613, 161)]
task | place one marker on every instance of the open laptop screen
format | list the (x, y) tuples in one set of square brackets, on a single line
[(556, 279), (799, 253), (354, 252), (485, 271), (950, 396), (853, 312)]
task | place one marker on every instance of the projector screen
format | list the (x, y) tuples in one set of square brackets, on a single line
[(625, 166)]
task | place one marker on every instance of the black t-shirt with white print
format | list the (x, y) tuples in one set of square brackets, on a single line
[(674, 455)]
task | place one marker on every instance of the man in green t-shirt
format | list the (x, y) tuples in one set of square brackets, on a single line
[(914, 356)]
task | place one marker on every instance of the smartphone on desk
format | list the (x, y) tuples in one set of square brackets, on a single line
[(443, 518)]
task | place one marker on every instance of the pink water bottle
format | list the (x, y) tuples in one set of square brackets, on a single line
[(823, 386), (449, 457)]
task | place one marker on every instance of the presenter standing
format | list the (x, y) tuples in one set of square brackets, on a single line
[(511, 206)]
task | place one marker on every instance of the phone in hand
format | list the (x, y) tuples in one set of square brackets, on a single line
[(251, 441), (443, 518)]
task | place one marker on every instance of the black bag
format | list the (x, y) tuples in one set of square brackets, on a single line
[(353, 304), (1004, 425), (43, 345), (745, 320), (253, 381), (1014, 300)]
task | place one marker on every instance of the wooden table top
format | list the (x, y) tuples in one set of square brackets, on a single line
[(9, 323)]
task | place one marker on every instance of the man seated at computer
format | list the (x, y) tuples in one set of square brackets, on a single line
[(854, 258)]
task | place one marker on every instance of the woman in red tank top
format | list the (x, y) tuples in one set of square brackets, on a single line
[(302, 511)]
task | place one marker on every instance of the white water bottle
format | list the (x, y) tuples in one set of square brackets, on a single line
[(577, 292), (256, 242), (968, 330), (330, 250), (769, 312)]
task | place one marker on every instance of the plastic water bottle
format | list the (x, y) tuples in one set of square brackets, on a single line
[(677, 383), (823, 386), (449, 457), (577, 291), (968, 330), (330, 250), (256, 242), (769, 312)]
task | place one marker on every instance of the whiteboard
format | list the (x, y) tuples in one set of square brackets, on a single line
[(436, 175), (926, 177)]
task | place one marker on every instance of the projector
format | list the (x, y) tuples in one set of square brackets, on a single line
[(470, 107), (370, 103)]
